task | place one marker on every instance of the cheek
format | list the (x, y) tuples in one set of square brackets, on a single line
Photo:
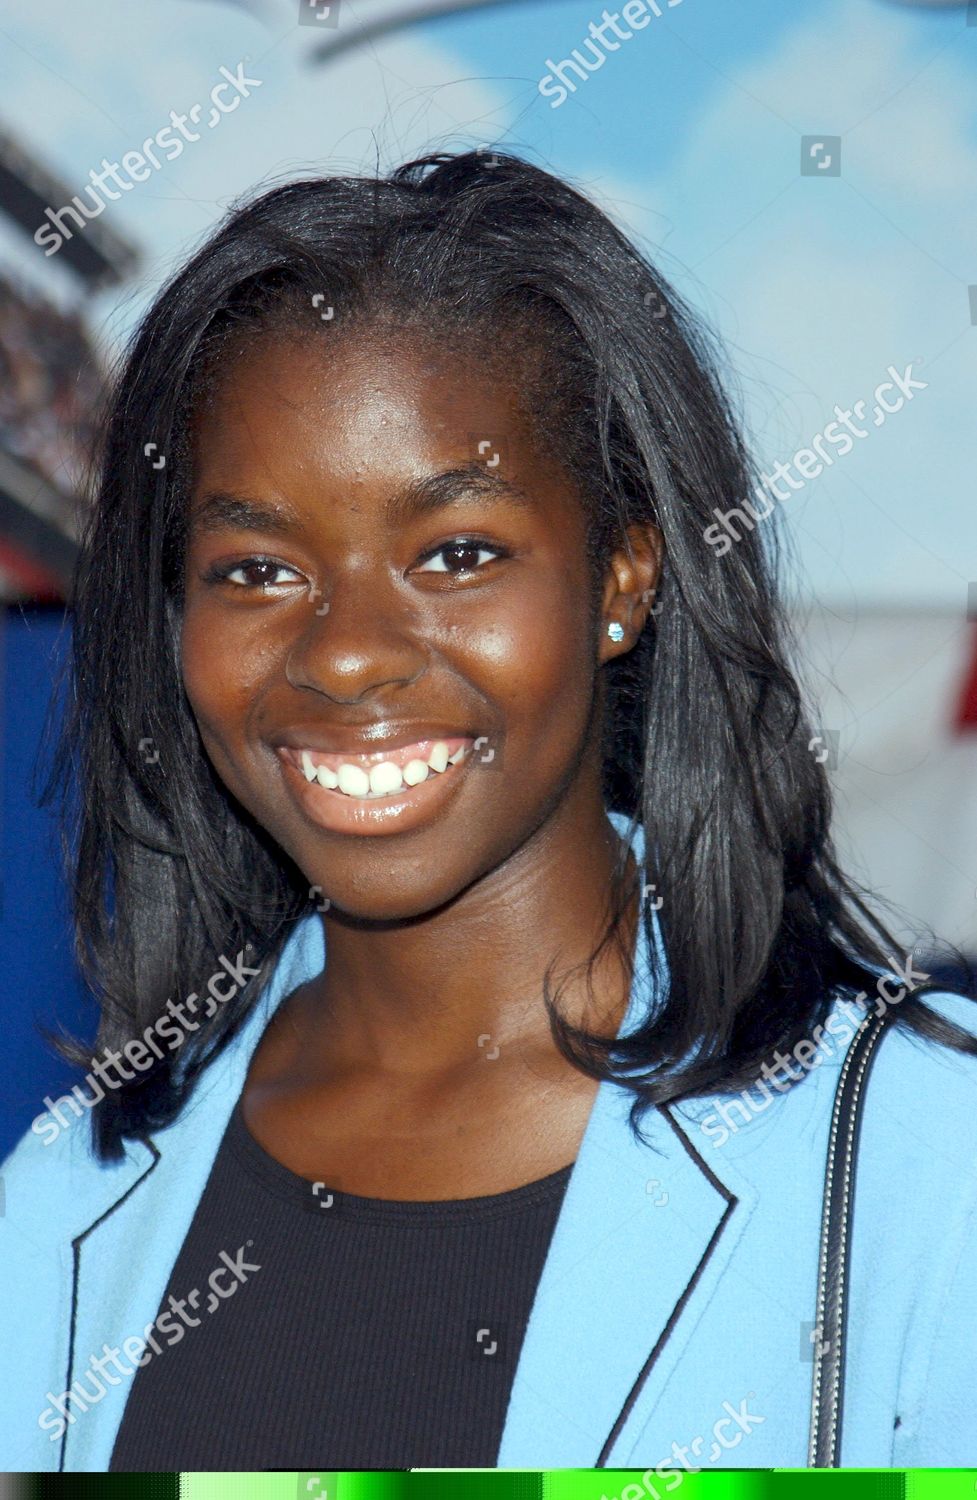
[(223, 673), (536, 662)]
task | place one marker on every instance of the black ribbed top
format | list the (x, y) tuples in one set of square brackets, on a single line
[(352, 1333)]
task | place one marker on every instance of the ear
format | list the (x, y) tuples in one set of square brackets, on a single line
[(630, 586)]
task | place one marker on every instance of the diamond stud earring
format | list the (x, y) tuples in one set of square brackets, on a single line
[(615, 631)]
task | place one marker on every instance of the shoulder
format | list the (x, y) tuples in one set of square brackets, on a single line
[(908, 1073), (935, 1079), (54, 1185), (53, 1179), (919, 1093), (917, 1132), (920, 1102), (47, 1152), (917, 1096)]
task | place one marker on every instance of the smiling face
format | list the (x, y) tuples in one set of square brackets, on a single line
[(379, 554)]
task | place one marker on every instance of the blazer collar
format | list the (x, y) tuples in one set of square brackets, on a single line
[(643, 1225), (205, 1118)]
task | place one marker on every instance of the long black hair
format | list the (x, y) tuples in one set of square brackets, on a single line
[(706, 738)]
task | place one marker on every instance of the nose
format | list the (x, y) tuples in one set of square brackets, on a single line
[(353, 642)]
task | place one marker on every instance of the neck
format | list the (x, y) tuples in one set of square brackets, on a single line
[(433, 995)]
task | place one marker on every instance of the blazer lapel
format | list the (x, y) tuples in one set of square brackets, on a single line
[(642, 1238), (127, 1239)]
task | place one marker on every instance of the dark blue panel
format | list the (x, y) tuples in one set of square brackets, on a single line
[(38, 978)]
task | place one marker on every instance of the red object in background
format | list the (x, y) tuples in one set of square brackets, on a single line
[(965, 717), (24, 576)]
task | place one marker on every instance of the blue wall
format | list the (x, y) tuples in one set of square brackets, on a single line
[(38, 978)]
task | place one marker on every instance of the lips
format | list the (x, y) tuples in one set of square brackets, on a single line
[(377, 797)]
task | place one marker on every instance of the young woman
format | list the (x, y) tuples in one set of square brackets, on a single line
[(481, 1000)]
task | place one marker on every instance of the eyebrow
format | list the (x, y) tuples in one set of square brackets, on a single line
[(219, 509)]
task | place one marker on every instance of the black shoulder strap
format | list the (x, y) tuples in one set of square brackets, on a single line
[(832, 1304)]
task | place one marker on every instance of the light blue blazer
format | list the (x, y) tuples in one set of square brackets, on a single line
[(673, 1322)]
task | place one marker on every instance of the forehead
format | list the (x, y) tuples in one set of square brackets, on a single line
[(360, 402), (374, 431)]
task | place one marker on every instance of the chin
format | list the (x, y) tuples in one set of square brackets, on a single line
[(383, 906)]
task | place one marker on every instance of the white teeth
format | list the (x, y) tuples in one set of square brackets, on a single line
[(353, 780), (415, 772), (438, 757), (385, 778)]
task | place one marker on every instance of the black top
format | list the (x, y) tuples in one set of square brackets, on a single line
[(340, 1332)]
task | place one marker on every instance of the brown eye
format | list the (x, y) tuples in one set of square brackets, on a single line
[(464, 552), (250, 572)]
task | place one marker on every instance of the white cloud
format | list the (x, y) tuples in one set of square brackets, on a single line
[(109, 82), (819, 292)]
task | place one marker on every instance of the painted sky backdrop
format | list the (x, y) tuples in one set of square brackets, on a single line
[(690, 134)]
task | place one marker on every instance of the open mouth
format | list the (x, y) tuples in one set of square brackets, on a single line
[(381, 777), (407, 788)]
